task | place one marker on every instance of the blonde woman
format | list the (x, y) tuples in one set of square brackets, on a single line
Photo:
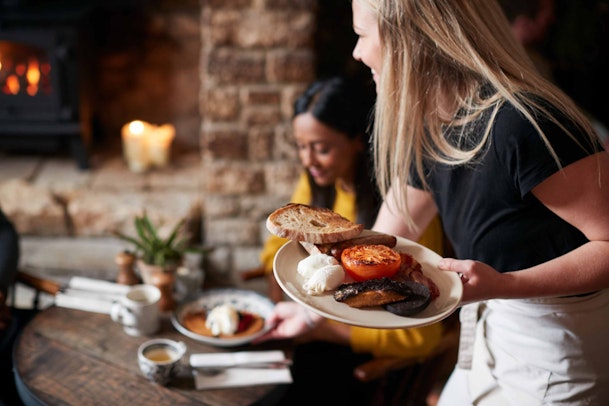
[(466, 128)]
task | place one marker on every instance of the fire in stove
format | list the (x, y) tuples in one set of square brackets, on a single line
[(24, 69), (43, 103)]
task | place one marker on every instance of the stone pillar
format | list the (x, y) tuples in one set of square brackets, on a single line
[(257, 55)]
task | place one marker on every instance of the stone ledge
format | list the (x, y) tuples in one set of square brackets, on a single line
[(51, 197), (60, 257)]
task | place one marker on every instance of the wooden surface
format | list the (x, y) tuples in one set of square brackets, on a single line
[(72, 357)]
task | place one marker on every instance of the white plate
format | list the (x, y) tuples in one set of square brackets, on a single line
[(240, 299), (449, 284)]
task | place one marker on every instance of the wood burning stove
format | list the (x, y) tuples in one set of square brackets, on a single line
[(43, 93)]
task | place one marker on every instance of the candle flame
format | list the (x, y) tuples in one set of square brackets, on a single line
[(136, 127)]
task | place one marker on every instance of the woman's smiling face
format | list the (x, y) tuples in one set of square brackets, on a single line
[(368, 47), (327, 154)]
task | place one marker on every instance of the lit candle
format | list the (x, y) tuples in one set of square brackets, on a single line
[(159, 144), (135, 145)]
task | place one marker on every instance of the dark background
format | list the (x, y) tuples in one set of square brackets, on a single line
[(577, 48)]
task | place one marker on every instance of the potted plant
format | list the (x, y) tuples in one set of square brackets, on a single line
[(158, 258)]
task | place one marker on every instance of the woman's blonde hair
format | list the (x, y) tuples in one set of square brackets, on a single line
[(437, 57)]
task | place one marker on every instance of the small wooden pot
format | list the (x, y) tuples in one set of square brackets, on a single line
[(126, 274)]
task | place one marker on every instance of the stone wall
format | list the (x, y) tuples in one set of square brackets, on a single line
[(256, 57), (226, 74)]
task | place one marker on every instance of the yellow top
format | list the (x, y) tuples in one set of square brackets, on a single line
[(404, 342)]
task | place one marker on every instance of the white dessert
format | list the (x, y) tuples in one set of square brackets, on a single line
[(223, 319), (327, 277), (308, 266)]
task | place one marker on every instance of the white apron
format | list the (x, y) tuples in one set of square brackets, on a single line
[(550, 351)]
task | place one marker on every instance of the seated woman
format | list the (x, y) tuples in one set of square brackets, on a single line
[(330, 125), (9, 260)]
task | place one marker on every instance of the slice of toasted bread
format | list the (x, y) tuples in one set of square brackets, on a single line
[(315, 225)]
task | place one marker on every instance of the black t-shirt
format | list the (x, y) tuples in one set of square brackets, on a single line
[(486, 206)]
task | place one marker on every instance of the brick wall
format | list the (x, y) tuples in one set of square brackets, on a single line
[(256, 56), (225, 73)]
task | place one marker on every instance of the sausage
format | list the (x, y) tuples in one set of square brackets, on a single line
[(410, 270)]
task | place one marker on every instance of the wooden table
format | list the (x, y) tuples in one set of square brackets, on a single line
[(73, 357)]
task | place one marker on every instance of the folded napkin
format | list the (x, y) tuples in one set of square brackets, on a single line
[(97, 285), (92, 295), (232, 375), (89, 304)]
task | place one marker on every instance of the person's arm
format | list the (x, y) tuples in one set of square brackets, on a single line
[(578, 195), (292, 320), (329, 331), (421, 207), (289, 320)]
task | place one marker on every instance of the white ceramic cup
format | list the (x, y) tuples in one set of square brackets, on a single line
[(159, 359), (138, 310)]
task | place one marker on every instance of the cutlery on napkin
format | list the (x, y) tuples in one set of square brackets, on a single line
[(93, 295), (243, 368), (232, 359), (97, 285), (250, 365)]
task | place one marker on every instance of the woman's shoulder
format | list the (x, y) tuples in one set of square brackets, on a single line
[(534, 116), (535, 110), (510, 118), (530, 134)]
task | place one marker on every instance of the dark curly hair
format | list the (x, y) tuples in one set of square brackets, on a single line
[(345, 106)]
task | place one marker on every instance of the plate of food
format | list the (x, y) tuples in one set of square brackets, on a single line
[(446, 288), (224, 317)]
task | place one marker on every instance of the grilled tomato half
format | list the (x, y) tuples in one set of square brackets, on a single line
[(370, 261)]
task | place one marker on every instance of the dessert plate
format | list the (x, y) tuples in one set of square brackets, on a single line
[(449, 284), (240, 299)]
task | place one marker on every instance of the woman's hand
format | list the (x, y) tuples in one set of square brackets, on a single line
[(480, 281), (289, 320)]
